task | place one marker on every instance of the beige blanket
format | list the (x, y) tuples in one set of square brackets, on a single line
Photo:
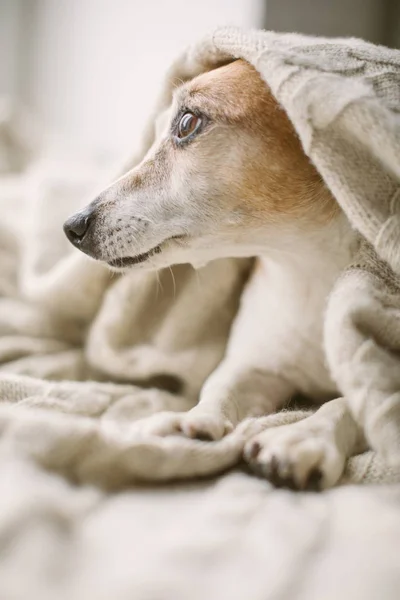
[(84, 356)]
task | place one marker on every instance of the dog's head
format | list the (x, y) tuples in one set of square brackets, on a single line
[(226, 176)]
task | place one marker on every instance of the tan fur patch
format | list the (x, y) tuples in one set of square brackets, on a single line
[(276, 177)]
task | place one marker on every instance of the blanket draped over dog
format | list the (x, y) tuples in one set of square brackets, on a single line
[(114, 341), (85, 356)]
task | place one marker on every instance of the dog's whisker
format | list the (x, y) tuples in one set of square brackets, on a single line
[(173, 280), (177, 82), (159, 284)]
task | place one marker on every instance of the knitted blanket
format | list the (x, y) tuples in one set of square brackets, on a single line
[(127, 347), (86, 357)]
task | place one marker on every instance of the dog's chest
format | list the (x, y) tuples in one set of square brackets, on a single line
[(283, 310)]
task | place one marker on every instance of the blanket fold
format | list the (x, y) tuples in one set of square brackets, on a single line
[(68, 327)]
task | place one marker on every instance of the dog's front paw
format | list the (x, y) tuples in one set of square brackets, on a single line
[(296, 457), (191, 424), (205, 426)]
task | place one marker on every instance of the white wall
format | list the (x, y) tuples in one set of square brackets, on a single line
[(92, 68)]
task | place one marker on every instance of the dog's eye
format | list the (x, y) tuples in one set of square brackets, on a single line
[(188, 125)]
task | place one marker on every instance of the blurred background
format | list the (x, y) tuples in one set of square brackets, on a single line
[(90, 70)]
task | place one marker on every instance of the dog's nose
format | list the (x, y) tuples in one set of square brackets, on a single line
[(77, 226)]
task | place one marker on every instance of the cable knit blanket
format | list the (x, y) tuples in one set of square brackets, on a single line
[(85, 357)]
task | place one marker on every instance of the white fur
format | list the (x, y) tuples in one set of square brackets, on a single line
[(275, 350)]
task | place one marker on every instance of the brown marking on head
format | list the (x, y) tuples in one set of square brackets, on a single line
[(276, 177)]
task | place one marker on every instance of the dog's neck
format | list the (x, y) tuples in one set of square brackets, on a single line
[(311, 251), (316, 255)]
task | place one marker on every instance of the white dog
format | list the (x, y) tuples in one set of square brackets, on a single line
[(227, 177)]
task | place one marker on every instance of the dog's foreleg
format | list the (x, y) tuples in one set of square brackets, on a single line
[(232, 393)]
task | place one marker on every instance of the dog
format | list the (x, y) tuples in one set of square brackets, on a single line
[(227, 177)]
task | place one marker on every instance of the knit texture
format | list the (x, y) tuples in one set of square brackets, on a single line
[(64, 317), (86, 358)]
